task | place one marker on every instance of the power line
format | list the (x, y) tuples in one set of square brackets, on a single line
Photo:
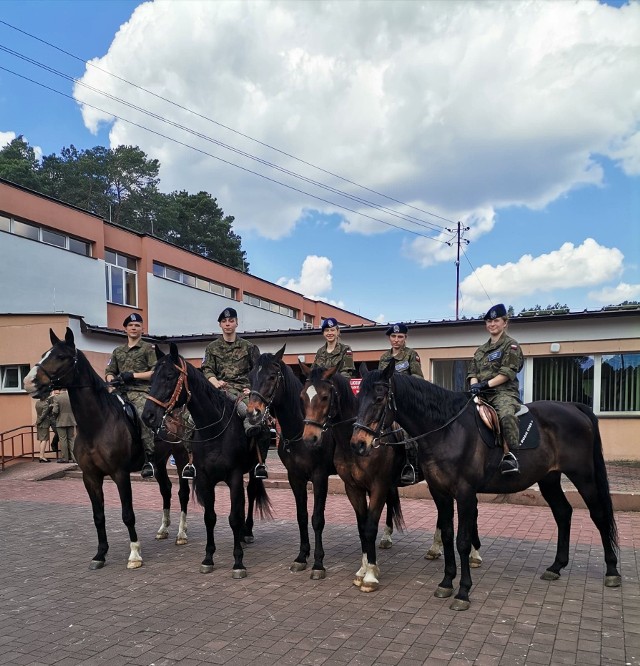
[(211, 120), (220, 159), (475, 274)]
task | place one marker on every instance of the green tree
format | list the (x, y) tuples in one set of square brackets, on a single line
[(19, 164)]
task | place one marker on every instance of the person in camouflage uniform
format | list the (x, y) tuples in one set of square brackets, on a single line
[(131, 367), (495, 366), (334, 353), (407, 363), (226, 364), (407, 359)]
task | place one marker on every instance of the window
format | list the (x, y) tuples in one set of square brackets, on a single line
[(53, 238), (564, 378), (5, 223), (79, 247), (121, 278), (307, 321), (451, 374), (44, 235), (620, 383), (176, 275), (25, 230), (272, 306), (11, 377)]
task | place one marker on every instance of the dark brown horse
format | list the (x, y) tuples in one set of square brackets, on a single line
[(221, 451), (330, 409), (458, 464)]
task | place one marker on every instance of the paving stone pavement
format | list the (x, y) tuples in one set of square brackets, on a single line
[(53, 610)]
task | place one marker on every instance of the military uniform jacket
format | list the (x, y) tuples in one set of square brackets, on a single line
[(139, 358), (62, 412), (407, 362), (341, 356), (230, 362), (503, 357), (43, 413)]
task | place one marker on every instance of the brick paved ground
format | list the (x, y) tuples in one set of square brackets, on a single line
[(53, 610)]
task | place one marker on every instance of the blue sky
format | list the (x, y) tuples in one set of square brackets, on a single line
[(515, 119)]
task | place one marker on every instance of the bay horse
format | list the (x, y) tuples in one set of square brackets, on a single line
[(330, 408), (106, 443), (458, 464), (221, 451)]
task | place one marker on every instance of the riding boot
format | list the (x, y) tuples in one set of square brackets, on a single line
[(408, 475), (511, 434), (147, 471)]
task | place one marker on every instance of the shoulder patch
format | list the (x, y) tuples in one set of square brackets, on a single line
[(417, 357), (514, 346), (348, 352)]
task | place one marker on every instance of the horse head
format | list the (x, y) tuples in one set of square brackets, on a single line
[(266, 381), (56, 368), (320, 402), (376, 409), (169, 387)]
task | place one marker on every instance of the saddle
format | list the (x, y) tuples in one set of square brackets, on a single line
[(489, 426), (133, 420)]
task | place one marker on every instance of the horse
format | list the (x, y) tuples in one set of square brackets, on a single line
[(221, 451), (458, 464), (107, 442), (329, 413)]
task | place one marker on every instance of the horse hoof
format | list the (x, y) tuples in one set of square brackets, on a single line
[(248, 538), (206, 568), (443, 592), (475, 564), (298, 566), (318, 574), (369, 587), (460, 605), (357, 581), (612, 581), (237, 574), (161, 535), (432, 555), (96, 564), (134, 564), (385, 544), (181, 541), (550, 575)]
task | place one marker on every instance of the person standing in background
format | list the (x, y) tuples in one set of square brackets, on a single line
[(43, 426), (65, 424)]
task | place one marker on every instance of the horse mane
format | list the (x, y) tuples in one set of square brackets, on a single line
[(105, 399), (219, 399), (346, 398)]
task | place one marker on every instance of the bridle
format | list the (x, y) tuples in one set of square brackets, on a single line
[(334, 404), (183, 382), (55, 379), (384, 422), (267, 402)]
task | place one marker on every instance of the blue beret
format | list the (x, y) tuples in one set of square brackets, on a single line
[(134, 316), (329, 323), (398, 328), (496, 311), (227, 313)]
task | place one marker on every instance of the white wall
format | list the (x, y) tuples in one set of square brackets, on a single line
[(42, 278)]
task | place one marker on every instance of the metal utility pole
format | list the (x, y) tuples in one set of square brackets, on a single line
[(459, 233)]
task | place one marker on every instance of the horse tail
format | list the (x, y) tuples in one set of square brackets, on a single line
[(263, 506), (394, 509), (602, 480)]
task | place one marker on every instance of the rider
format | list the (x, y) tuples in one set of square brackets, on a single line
[(407, 363), (131, 366), (495, 366), (226, 364), (334, 353)]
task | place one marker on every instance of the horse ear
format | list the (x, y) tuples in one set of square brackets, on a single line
[(173, 350), (159, 352), (53, 337), (329, 372), (387, 373), (68, 337), (280, 353), (306, 369), (363, 369)]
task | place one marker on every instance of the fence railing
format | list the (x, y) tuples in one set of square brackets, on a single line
[(20, 442)]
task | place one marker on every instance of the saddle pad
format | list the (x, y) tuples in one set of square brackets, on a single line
[(529, 433)]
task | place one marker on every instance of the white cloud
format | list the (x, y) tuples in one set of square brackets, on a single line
[(314, 281), (6, 138), (618, 294), (459, 108), (568, 267)]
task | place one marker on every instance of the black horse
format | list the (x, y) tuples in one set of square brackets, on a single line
[(221, 451), (106, 444), (458, 464), (330, 409)]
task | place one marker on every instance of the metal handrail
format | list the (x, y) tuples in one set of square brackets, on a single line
[(10, 441)]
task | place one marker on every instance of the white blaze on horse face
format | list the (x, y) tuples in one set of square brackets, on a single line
[(311, 393), (29, 381)]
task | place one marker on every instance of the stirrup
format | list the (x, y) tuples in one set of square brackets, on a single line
[(509, 464), (408, 475), (188, 471), (260, 471), (147, 471)]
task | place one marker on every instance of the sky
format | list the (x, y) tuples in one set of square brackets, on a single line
[(349, 139)]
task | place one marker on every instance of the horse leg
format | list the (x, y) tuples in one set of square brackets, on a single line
[(96, 495), (164, 484), (551, 490), (123, 483), (320, 490), (182, 457), (247, 532), (370, 582), (207, 496), (467, 520), (444, 505), (299, 488), (236, 522), (386, 541), (358, 499), (435, 550), (475, 559)]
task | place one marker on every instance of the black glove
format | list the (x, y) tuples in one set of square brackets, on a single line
[(479, 387), (127, 377)]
